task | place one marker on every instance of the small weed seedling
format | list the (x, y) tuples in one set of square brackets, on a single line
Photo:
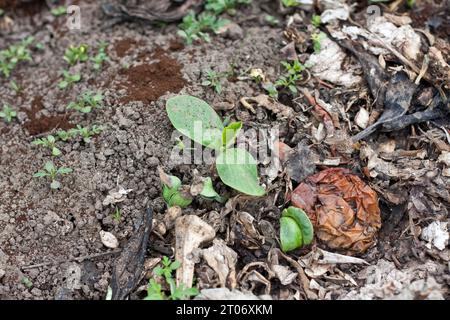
[(271, 90), (59, 11), (69, 79), (76, 54), (100, 57), (220, 6), (7, 113), (290, 3), (16, 53), (52, 172), (315, 20), (87, 102), (295, 68), (15, 86), (196, 27), (296, 230), (154, 291), (64, 135), (87, 133), (273, 21), (213, 80), (288, 82), (317, 39), (117, 214), (198, 121), (48, 142)]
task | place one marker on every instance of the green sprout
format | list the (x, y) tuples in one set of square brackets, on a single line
[(273, 21), (293, 68), (271, 90), (27, 282), (194, 27), (296, 229), (173, 192), (48, 142), (52, 172), (14, 54), (117, 214), (66, 135), (15, 86), (87, 133), (59, 11), (87, 102), (69, 79), (317, 39), (290, 3), (315, 20), (213, 80), (198, 121), (8, 113), (288, 82), (100, 57), (220, 6), (154, 290), (76, 54)]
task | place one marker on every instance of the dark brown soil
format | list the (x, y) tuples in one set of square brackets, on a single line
[(124, 45), (37, 125), (148, 82)]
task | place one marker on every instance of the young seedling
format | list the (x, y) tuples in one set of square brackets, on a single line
[(69, 79), (220, 6), (15, 86), (174, 193), (14, 54), (317, 39), (198, 121), (290, 3), (100, 57), (288, 82), (296, 229), (195, 27), (52, 172), (293, 68), (315, 20), (155, 292), (76, 54), (48, 142), (8, 113), (66, 135), (59, 11), (213, 81), (87, 102), (87, 133), (271, 90), (273, 21), (117, 214)]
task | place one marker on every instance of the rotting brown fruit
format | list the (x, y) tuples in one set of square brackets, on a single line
[(343, 209)]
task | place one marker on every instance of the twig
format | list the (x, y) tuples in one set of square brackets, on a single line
[(79, 259)]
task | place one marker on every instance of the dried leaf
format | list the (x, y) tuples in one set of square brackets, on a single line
[(342, 208)]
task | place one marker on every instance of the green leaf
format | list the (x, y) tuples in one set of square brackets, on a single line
[(180, 199), (209, 192), (49, 166), (195, 119), (290, 234), (64, 170), (237, 169), (55, 185), (56, 152), (302, 220), (40, 174), (230, 133), (170, 190), (175, 265)]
